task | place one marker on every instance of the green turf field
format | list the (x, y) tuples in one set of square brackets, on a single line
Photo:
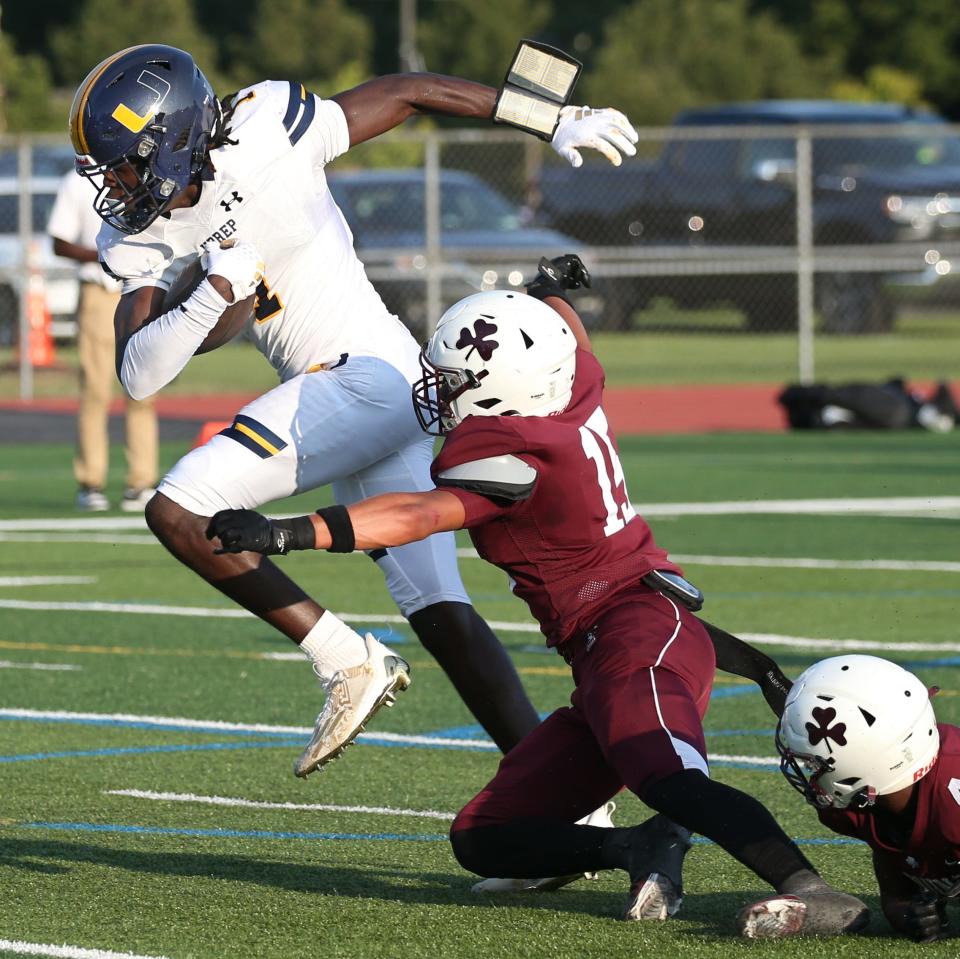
[(109, 839)]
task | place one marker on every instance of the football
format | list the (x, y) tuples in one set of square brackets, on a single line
[(234, 317)]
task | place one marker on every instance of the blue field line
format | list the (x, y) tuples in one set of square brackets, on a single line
[(927, 663), (134, 724), (725, 692), (139, 750), (335, 836), (227, 833), (710, 733), (770, 767), (269, 740), (383, 634), (470, 731)]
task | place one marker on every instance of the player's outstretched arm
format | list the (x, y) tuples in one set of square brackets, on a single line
[(554, 277), (392, 519), (740, 658), (385, 102)]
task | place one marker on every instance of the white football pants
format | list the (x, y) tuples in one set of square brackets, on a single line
[(352, 426)]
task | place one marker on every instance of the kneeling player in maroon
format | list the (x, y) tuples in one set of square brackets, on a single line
[(859, 739), (530, 468)]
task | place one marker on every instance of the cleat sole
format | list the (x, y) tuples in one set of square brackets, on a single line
[(388, 698)]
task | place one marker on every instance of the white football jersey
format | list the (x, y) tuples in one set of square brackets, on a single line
[(315, 302)]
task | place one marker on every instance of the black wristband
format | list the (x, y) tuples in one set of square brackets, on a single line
[(542, 287), (338, 522), (298, 533)]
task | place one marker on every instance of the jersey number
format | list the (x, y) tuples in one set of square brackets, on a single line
[(954, 787), (613, 488), (267, 303)]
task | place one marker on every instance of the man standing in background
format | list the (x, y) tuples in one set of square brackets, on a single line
[(74, 226)]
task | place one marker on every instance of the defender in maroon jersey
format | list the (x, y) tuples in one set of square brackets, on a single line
[(859, 740), (529, 467)]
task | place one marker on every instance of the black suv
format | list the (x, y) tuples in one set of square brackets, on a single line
[(714, 191)]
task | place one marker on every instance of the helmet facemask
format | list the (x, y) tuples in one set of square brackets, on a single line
[(141, 125), (435, 393), (804, 770), (134, 195)]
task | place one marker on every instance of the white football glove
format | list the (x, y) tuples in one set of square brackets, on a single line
[(606, 130), (240, 264)]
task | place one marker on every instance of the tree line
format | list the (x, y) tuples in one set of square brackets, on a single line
[(650, 58)]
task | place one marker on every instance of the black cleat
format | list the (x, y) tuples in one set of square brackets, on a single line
[(658, 848)]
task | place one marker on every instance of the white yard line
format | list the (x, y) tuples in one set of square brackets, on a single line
[(897, 565), (199, 725), (467, 552), (52, 667), (933, 506), (252, 804), (868, 505), (150, 609), (127, 539), (65, 952), (797, 562), (60, 524), (804, 642), (47, 580), (213, 726), (769, 639)]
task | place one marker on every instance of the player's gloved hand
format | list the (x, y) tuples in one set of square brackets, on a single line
[(925, 919), (605, 130), (240, 264), (556, 276), (242, 530), (567, 271)]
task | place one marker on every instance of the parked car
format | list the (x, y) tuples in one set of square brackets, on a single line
[(61, 284), (741, 191), (484, 242)]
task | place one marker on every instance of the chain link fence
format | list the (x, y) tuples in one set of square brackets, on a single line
[(800, 230)]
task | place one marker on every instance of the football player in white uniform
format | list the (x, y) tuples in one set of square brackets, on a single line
[(179, 172)]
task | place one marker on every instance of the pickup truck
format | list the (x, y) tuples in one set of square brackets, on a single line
[(706, 192)]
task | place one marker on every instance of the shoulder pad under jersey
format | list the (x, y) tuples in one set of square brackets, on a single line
[(505, 477)]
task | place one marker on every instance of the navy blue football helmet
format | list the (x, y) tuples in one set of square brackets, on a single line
[(146, 116)]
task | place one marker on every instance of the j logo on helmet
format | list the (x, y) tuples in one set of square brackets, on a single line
[(134, 121), (823, 731)]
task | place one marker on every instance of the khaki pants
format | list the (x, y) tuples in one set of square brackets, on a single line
[(95, 344)]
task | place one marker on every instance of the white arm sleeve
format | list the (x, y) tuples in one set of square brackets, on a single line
[(158, 351), (329, 135)]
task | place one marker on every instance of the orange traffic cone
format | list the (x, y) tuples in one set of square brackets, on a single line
[(208, 430), (39, 339)]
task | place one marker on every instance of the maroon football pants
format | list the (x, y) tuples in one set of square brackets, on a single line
[(643, 677)]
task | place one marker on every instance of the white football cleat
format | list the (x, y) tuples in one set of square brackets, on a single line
[(772, 918), (353, 696), (654, 898), (820, 914), (599, 817)]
